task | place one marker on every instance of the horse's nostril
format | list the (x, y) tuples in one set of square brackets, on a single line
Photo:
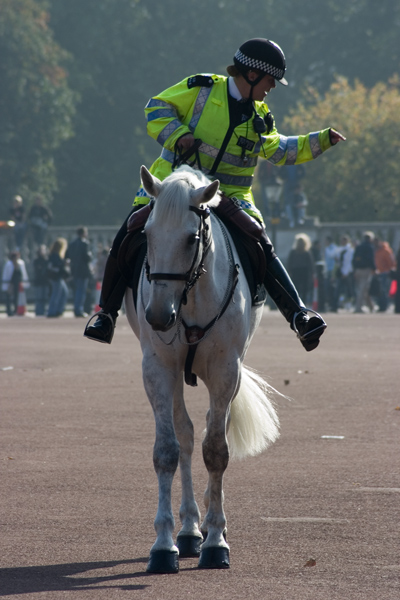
[(160, 322)]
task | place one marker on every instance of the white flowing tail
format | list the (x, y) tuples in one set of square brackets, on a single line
[(254, 424)]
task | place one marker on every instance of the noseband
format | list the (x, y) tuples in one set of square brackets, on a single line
[(194, 273)]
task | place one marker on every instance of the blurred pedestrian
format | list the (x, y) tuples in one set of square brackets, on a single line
[(396, 276), (41, 280), (300, 203), (344, 273), (319, 265), (39, 219), (385, 262), (18, 217), (14, 277), (58, 274), (330, 254), (271, 189), (301, 266), (80, 257), (364, 268), (100, 263), (292, 192)]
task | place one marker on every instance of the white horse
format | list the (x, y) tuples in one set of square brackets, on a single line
[(195, 314)]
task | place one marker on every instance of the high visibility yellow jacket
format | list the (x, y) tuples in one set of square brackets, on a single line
[(199, 105)]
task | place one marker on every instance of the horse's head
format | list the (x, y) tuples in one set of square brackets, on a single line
[(178, 236)]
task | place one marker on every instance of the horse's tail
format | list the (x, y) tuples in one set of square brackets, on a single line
[(254, 423)]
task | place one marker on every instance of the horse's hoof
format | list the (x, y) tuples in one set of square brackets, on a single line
[(189, 545), (163, 561), (214, 558)]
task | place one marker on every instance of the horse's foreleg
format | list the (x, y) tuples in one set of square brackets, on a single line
[(164, 553), (189, 537), (215, 550)]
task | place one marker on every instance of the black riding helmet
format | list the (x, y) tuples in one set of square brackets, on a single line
[(262, 55)]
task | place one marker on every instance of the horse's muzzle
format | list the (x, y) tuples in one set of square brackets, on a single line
[(161, 321)]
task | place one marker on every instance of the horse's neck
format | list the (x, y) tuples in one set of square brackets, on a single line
[(211, 288)]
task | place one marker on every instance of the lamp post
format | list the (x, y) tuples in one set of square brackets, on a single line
[(272, 195)]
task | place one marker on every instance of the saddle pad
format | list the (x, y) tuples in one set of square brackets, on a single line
[(249, 253)]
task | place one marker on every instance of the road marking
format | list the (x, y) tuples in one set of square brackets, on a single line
[(377, 489), (304, 520)]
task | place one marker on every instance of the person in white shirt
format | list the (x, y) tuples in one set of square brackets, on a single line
[(345, 278)]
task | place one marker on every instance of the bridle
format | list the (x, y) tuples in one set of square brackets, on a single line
[(195, 334), (196, 269)]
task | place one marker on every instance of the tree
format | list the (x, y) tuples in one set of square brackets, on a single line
[(358, 180), (36, 104), (124, 53)]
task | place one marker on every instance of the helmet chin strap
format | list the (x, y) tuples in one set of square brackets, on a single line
[(253, 84)]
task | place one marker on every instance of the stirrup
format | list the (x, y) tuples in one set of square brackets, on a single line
[(304, 337), (101, 315)]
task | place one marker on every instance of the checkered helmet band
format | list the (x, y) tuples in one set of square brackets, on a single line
[(254, 63)]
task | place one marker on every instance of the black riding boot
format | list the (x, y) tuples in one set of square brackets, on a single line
[(277, 281), (282, 291), (112, 295)]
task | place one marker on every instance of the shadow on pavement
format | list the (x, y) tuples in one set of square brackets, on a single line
[(47, 578)]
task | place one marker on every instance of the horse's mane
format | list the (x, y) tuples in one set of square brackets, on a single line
[(176, 191)]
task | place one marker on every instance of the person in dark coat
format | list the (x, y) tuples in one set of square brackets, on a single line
[(41, 280), (80, 257), (301, 266), (58, 274), (364, 268), (39, 219)]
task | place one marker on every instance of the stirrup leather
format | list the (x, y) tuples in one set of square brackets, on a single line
[(313, 331)]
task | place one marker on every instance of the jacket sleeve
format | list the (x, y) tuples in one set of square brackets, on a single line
[(167, 113), (292, 150)]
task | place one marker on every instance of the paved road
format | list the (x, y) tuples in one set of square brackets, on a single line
[(78, 490)]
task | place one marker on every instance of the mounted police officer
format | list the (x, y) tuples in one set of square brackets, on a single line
[(233, 127)]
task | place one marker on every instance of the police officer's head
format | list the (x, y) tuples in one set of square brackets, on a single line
[(261, 56)]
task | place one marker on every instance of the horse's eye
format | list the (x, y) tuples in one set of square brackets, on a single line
[(193, 239)]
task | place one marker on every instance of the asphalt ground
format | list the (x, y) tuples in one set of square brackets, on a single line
[(316, 517)]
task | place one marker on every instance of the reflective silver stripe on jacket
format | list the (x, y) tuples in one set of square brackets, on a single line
[(166, 110), (198, 107), (212, 152), (154, 102), (286, 144), (235, 180), (315, 146), (292, 143), (161, 113), (168, 130)]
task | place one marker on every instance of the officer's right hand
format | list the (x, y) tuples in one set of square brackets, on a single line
[(186, 141)]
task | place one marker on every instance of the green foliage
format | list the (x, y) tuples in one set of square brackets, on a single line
[(119, 53), (358, 179), (124, 53), (36, 104)]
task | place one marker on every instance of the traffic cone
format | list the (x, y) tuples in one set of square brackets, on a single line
[(21, 306), (315, 294), (98, 294)]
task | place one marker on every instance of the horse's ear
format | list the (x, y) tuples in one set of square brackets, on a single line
[(205, 194), (150, 183)]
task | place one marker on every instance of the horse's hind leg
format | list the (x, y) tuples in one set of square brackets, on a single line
[(189, 537), (164, 554)]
